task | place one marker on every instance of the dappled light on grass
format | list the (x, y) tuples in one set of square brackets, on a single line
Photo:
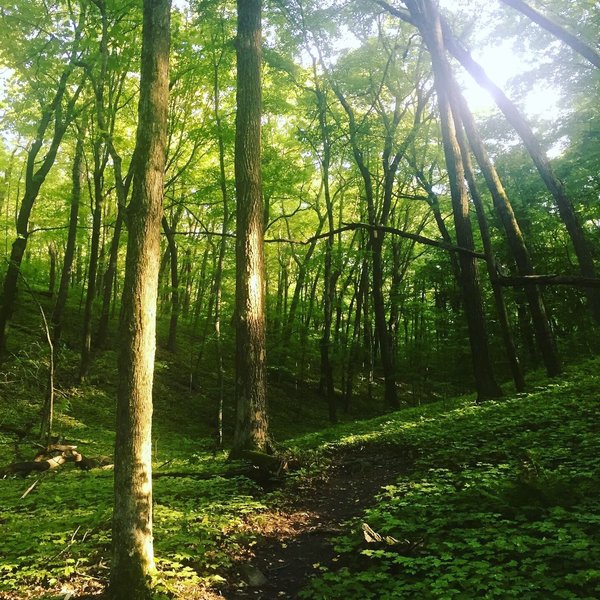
[(498, 499), (501, 504)]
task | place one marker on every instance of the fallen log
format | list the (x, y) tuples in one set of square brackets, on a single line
[(52, 457), (24, 468)]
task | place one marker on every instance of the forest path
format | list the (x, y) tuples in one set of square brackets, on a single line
[(297, 541)]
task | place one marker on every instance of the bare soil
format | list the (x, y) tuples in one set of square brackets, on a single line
[(298, 541)]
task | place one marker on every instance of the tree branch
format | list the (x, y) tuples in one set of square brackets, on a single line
[(587, 282)]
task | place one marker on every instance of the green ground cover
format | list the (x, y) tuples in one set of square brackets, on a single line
[(498, 501)]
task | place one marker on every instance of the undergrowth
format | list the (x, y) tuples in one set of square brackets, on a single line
[(499, 500)]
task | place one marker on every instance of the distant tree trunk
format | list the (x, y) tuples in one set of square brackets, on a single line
[(555, 29), (122, 186), (132, 547), (354, 352), (88, 311), (303, 267), (218, 277), (5, 183), (65, 277), (186, 272), (251, 427), (434, 203), (109, 277), (106, 284), (376, 246), (101, 154), (428, 19), (218, 293), (174, 267), (52, 253), (326, 386), (201, 288)]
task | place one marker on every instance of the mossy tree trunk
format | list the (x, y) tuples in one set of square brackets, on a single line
[(132, 544)]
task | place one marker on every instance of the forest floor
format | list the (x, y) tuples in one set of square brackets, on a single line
[(450, 499), (297, 541)]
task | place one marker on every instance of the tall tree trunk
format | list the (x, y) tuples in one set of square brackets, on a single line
[(427, 17), (88, 311), (509, 344), (251, 427), (218, 280), (132, 547), (101, 155), (514, 235), (326, 386), (553, 184), (65, 277)]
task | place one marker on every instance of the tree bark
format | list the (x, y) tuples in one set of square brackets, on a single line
[(251, 427), (427, 17), (132, 546)]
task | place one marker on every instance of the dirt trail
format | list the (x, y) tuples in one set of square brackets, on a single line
[(300, 541)]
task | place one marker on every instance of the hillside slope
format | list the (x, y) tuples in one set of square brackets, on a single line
[(450, 500)]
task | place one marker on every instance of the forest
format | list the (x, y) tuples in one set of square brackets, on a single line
[(299, 299)]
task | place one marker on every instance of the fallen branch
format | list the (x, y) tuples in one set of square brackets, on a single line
[(30, 488), (587, 282)]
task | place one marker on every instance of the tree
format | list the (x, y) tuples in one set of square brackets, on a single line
[(556, 187), (65, 278), (427, 19), (251, 426), (57, 111), (133, 556)]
